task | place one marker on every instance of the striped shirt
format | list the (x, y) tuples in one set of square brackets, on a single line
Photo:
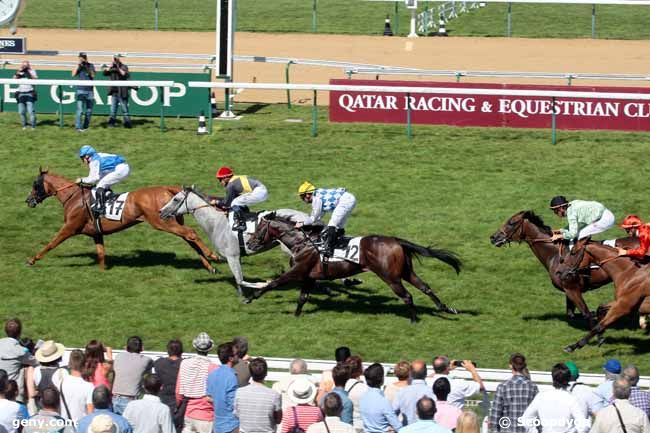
[(510, 402), (302, 415), (256, 405), (193, 376)]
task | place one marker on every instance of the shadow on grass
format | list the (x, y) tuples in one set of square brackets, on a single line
[(639, 345), (138, 259)]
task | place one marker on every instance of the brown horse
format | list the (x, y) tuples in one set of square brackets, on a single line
[(390, 258), (141, 205), (631, 279), (527, 227)]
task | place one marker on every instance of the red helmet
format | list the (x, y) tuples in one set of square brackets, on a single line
[(224, 172), (631, 221)]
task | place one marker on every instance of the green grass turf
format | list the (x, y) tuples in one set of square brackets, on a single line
[(341, 16), (450, 187)]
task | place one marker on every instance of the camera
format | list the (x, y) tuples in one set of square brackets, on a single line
[(460, 363)]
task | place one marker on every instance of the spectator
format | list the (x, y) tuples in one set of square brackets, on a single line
[(149, 415), (621, 415), (26, 95), (297, 369), (258, 408), (99, 364), (556, 411), (446, 414), (192, 385), (302, 413), (638, 398), (11, 392), (10, 411), (167, 370), (512, 398), (222, 387), (467, 423), (118, 71), (341, 354), (460, 389), (130, 368), (585, 394), (376, 412), (408, 397), (426, 411), (76, 393), (17, 361), (356, 388), (49, 414), (241, 368), (604, 391), (49, 356), (102, 405), (332, 407), (402, 371), (85, 94), (340, 375)]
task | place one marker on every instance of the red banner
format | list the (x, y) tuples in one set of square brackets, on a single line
[(486, 110)]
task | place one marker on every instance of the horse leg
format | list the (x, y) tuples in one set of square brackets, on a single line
[(644, 309), (307, 287), (297, 273), (399, 289), (101, 255), (64, 233), (424, 288), (575, 296), (235, 268), (570, 308)]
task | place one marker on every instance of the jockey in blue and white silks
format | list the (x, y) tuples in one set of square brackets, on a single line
[(335, 200), (106, 169)]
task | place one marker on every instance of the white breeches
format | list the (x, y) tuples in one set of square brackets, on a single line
[(121, 172), (604, 223), (342, 211), (257, 195)]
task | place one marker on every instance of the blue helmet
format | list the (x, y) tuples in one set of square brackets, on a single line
[(87, 151)]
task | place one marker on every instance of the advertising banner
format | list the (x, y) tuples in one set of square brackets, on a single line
[(486, 110), (179, 100)]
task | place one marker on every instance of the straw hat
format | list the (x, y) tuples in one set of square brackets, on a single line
[(301, 391), (102, 424), (49, 351)]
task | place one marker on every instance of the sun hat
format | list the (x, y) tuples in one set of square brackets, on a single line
[(102, 424), (49, 351), (573, 368), (301, 391), (612, 366), (203, 342)]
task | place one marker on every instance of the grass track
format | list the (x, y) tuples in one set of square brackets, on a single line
[(450, 187)]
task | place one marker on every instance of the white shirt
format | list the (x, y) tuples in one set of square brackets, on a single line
[(24, 88), (78, 394), (355, 392), (557, 411), (460, 388), (9, 413), (586, 396), (635, 420), (149, 415), (334, 424)]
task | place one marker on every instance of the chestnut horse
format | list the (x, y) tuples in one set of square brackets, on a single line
[(141, 205), (631, 278), (526, 226), (390, 258)]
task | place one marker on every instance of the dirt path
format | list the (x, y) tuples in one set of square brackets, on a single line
[(453, 53)]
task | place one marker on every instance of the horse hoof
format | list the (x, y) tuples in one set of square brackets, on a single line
[(448, 309), (246, 300), (569, 349), (601, 341), (351, 282), (31, 262)]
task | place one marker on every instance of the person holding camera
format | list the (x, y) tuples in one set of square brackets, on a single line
[(460, 388), (85, 94), (118, 71), (26, 95)]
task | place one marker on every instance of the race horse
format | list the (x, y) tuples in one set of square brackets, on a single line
[(526, 226), (215, 224), (631, 278), (390, 258), (141, 205)]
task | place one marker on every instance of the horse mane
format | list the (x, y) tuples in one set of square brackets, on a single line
[(536, 220), (198, 192)]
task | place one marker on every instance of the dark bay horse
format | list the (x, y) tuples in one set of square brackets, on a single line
[(631, 278), (390, 258), (526, 226), (141, 205)]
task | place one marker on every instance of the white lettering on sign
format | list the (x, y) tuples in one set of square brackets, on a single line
[(168, 93), (437, 103), (637, 109), (525, 108), (7, 44), (148, 101), (9, 93), (352, 103), (67, 96)]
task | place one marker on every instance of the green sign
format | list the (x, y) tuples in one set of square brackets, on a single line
[(178, 100)]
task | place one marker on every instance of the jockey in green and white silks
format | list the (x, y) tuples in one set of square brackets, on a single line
[(586, 218)]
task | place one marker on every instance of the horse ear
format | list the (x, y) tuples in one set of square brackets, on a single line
[(42, 170), (270, 216)]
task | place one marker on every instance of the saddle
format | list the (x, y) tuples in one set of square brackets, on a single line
[(109, 197)]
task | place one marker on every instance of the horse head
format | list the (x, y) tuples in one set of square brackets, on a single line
[(515, 228), (272, 228), (176, 206), (574, 261), (40, 190)]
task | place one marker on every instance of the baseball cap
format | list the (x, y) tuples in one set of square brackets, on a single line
[(573, 368), (83, 56), (612, 366)]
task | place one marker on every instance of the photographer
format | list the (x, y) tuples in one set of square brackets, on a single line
[(118, 71), (85, 96), (460, 388), (26, 95)]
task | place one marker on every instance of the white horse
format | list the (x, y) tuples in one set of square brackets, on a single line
[(216, 225)]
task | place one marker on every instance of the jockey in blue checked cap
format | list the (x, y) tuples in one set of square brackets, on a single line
[(335, 200), (106, 169)]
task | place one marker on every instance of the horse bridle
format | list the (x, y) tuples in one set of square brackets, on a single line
[(39, 186), (520, 227)]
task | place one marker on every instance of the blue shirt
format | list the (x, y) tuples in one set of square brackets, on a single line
[(348, 406), (222, 387), (424, 426), (377, 413), (121, 422), (407, 398), (604, 392)]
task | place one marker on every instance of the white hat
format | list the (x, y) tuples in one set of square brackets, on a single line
[(49, 351), (302, 391), (102, 424)]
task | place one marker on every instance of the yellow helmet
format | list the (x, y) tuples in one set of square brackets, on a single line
[(306, 188)]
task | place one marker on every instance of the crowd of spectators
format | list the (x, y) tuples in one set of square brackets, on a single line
[(130, 393)]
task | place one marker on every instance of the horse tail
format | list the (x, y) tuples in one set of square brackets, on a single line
[(446, 256)]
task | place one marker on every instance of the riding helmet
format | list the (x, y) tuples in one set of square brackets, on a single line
[(86, 150), (558, 201), (224, 172), (631, 221), (306, 188)]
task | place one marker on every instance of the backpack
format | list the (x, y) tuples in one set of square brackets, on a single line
[(296, 428)]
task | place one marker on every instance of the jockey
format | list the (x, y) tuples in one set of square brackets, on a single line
[(241, 191), (106, 170), (586, 218), (634, 227), (337, 200)]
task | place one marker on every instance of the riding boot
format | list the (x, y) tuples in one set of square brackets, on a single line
[(330, 241), (98, 210), (239, 222)]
